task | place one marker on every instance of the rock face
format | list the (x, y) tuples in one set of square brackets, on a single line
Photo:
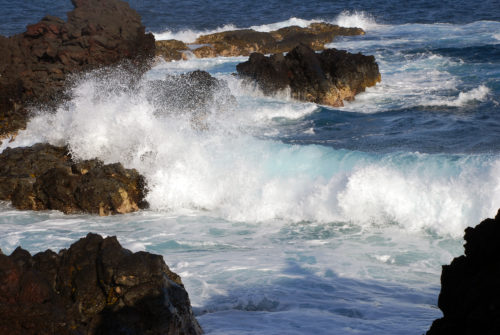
[(34, 65), (328, 78), (45, 177), (170, 49), (244, 42), (94, 287), (470, 290), (196, 93)]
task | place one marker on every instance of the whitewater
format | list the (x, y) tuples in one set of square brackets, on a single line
[(284, 217)]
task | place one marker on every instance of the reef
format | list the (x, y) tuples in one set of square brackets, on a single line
[(36, 65), (243, 42), (94, 287), (329, 78), (46, 177), (470, 290)]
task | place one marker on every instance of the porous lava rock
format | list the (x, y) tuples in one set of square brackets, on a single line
[(95, 287), (470, 285), (35, 65), (44, 176), (328, 78), (243, 42)]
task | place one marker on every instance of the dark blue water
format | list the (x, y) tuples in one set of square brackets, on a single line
[(162, 14)]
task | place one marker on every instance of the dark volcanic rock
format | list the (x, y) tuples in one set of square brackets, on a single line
[(328, 78), (196, 93), (245, 41), (94, 287), (34, 65), (470, 286), (45, 177)]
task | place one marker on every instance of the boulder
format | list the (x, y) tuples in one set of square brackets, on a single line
[(195, 93), (94, 287), (46, 177), (246, 41), (328, 78), (35, 65), (470, 290)]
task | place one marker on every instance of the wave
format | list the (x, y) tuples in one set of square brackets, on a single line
[(227, 171), (464, 98), (356, 19)]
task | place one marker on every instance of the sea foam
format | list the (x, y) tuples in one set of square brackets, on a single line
[(229, 171)]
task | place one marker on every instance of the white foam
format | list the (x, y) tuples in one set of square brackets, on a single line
[(189, 35), (357, 19), (477, 94)]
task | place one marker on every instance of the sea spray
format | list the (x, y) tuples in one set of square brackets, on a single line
[(228, 171)]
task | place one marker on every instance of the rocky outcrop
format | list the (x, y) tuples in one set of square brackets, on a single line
[(170, 50), (244, 42), (470, 290), (195, 93), (328, 78), (94, 287), (46, 177), (34, 65)]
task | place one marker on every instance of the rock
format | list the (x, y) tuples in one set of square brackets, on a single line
[(246, 41), (470, 293), (328, 78), (196, 93), (46, 177), (34, 65), (170, 49), (94, 287)]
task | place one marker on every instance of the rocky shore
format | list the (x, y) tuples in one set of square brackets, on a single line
[(35, 65), (94, 287), (470, 290), (329, 78), (46, 177)]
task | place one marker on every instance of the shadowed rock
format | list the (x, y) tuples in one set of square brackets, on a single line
[(94, 287), (328, 78), (470, 290), (46, 177), (34, 65)]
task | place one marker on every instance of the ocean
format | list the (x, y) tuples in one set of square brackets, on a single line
[(285, 217)]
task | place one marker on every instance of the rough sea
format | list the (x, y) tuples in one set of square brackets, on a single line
[(284, 217)]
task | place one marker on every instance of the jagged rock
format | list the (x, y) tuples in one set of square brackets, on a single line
[(328, 78), (246, 41), (196, 93), (34, 65), (470, 290), (94, 287), (46, 177), (170, 49)]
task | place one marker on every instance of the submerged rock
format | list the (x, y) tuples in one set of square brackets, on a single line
[(245, 41), (94, 287), (46, 177), (328, 78), (34, 65), (470, 290)]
